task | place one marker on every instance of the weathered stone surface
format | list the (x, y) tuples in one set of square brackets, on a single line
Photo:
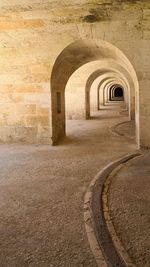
[(33, 34)]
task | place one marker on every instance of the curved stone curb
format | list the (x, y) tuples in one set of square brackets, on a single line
[(101, 243), (115, 132), (116, 241)]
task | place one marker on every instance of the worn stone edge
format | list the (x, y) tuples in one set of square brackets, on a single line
[(88, 217), (116, 241)]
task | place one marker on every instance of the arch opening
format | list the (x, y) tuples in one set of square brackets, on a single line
[(116, 93), (70, 59), (102, 84)]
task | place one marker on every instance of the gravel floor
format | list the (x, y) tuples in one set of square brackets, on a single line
[(42, 190), (129, 204)]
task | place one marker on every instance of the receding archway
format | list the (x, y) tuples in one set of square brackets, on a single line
[(97, 80), (116, 93), (95, 76), (71, 58), (105, 89), (79, 85)]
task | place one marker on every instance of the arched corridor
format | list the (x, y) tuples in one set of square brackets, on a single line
[(74, 133), (116, 93), (87, 52)]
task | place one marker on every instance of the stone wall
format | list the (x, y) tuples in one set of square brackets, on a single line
[(34, 33)]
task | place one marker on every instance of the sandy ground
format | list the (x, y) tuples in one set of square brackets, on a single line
[(42, 191), (129, 204)]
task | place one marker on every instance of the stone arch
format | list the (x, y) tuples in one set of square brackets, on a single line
[(111, 91), (116, 92), (92, 78), (70, 59), (81, 80), (105, 84)]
